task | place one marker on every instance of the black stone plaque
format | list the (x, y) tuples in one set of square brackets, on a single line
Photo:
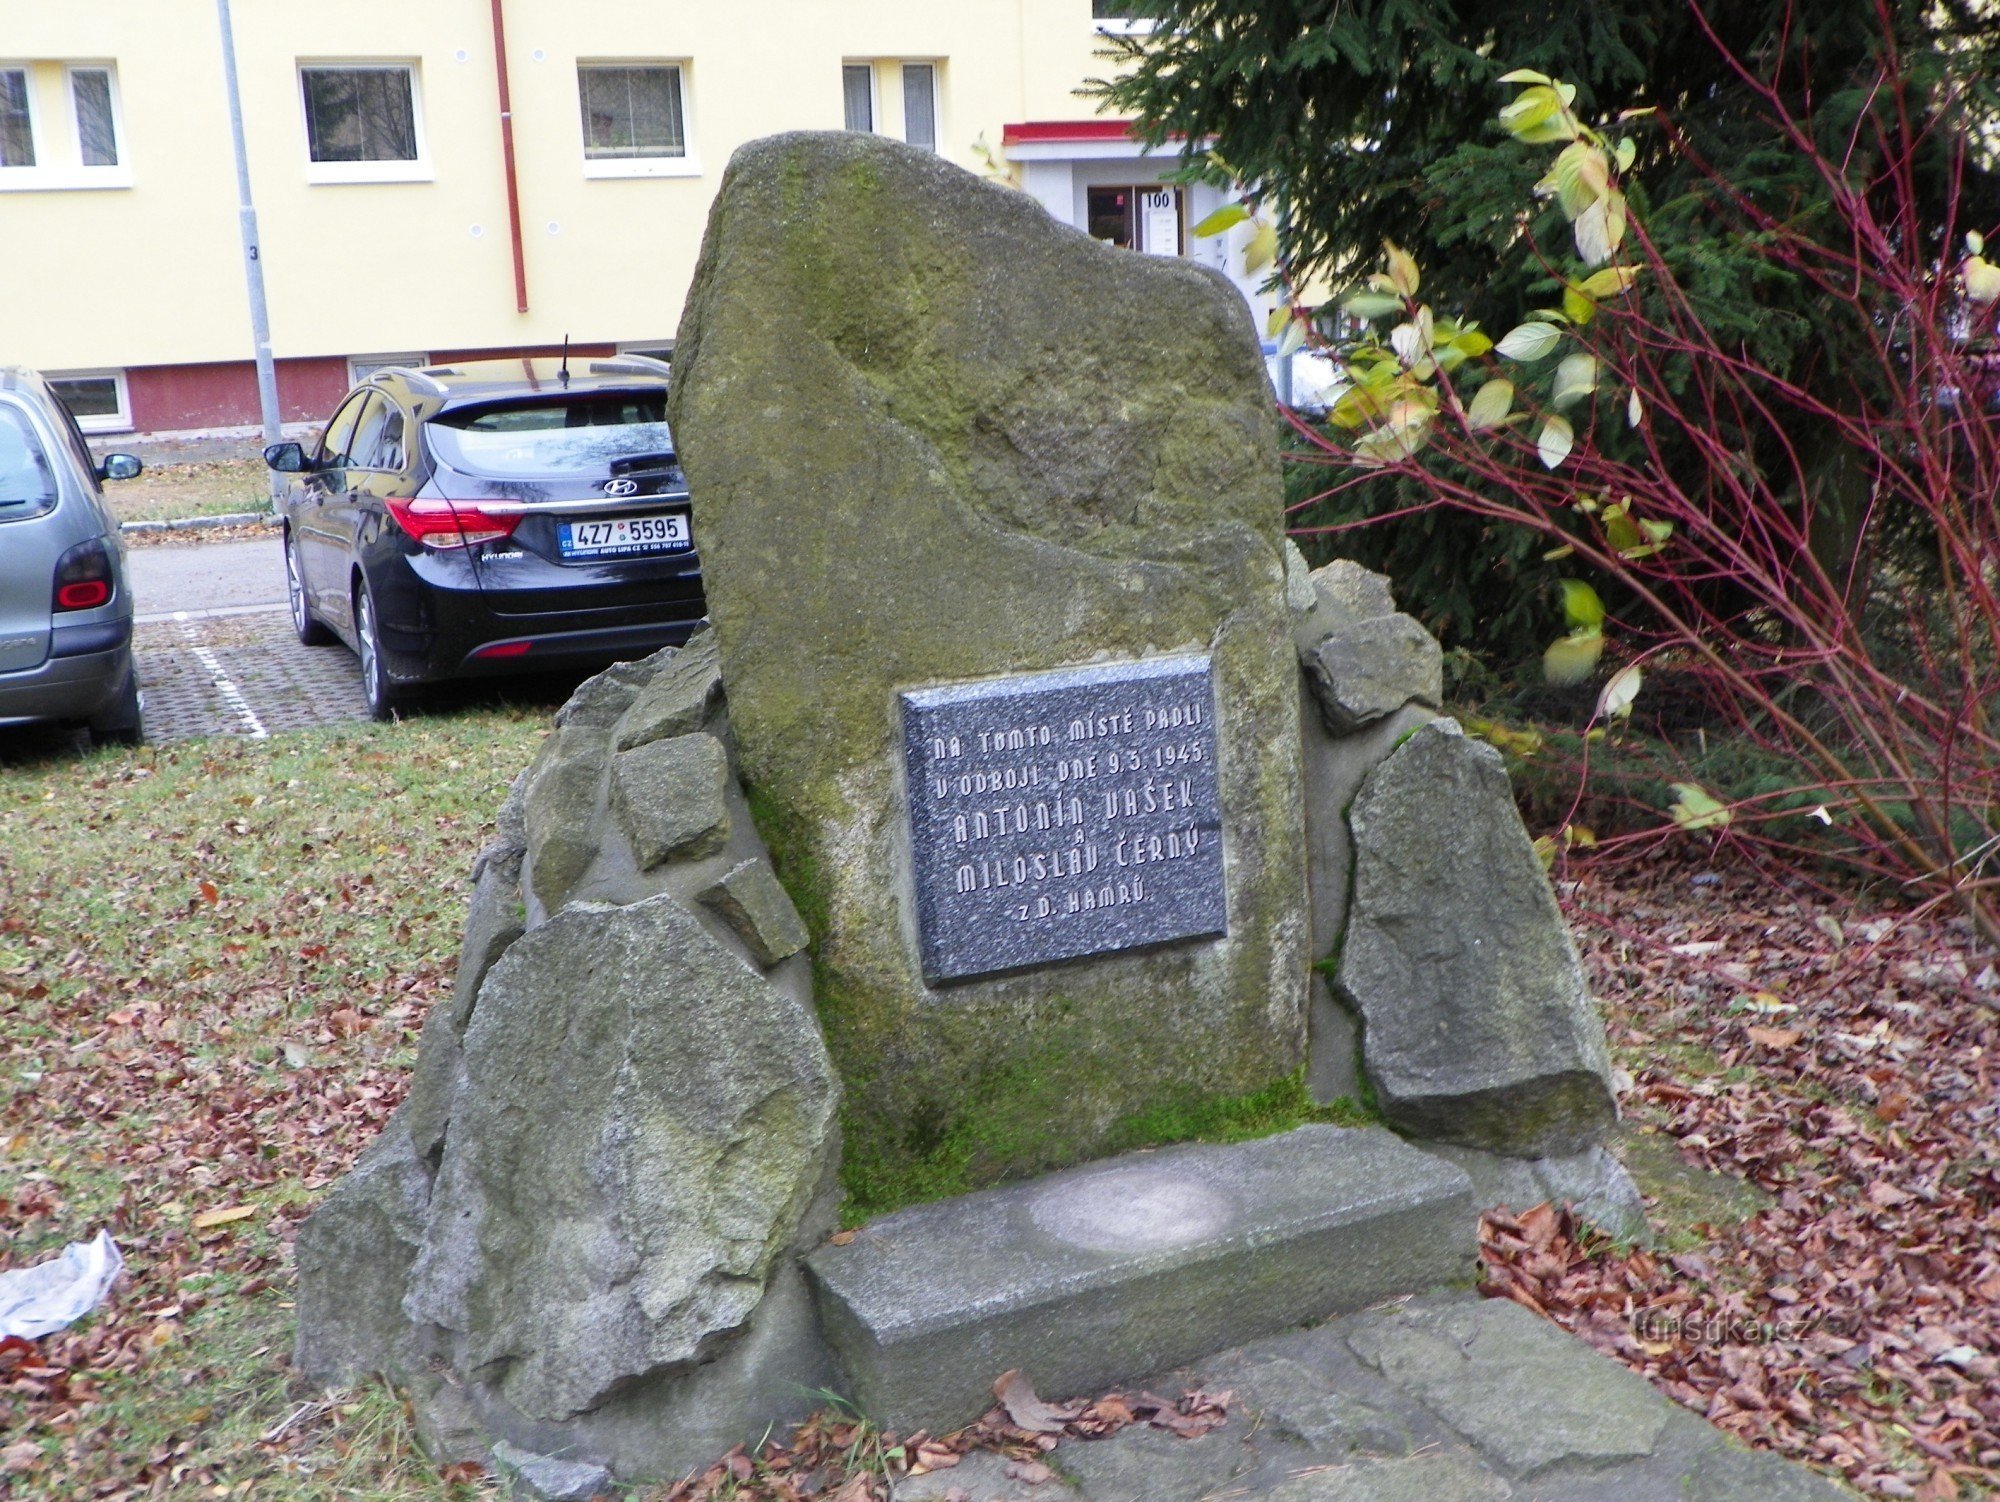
[(1056, 815)]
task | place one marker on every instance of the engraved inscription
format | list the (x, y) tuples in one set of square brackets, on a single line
[(1057, 815)]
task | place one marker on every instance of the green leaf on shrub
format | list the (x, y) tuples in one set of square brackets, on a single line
[(1694, 808), (1261, 249), (1403, 274), (1577, 308), (1581, 606), (1556, 441), (1227, 217), (1610, 282), (1576, 378), (1573, 658), (1372, 304), (1628, 152), (1528, 341), (1294, 340), (1490, 404), (1635, 410)]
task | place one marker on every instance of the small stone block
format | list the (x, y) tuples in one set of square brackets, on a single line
[(1118, 1269), (1469, 1363), (1362, 672), (544, 1478), (752, 902), (681, 698), (560, 811), (671, 798)]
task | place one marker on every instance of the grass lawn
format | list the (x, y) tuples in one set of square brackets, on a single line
[(214, 960), (169, 492)]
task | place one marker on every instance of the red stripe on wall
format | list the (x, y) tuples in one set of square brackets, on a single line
[(168, 398)]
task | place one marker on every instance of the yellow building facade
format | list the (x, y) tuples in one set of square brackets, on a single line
[(394, 224)]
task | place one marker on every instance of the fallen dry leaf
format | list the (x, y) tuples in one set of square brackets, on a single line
[(209, 1219), (1772, 1037), (1017, 1396)]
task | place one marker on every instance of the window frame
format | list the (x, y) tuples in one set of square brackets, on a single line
[(109, 422), (112, 102), (684, 165), (64, 172), (394, 170), (867, 66), (37, 136), (936, 69), (361, 367)]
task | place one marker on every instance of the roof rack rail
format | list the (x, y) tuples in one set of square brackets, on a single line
[(423, 380), (637, 364)]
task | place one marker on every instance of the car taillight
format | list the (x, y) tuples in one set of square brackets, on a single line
[(439, 523), (83, 577)]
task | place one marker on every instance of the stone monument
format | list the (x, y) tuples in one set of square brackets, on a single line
[(1020, 497), (1010, 816)]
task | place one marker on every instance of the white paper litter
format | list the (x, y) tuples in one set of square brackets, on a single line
[(40, 1300)]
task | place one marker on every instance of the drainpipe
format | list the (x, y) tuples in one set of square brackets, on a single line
[(507, 159)]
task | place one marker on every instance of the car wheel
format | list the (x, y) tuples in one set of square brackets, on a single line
[(375, 685), (309, 631), (123, 723)]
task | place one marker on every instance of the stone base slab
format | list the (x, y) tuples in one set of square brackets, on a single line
[(1103, 1273)]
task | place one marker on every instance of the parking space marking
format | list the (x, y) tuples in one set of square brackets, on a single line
[(230, 694)]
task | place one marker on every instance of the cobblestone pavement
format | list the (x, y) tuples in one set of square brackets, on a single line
[(243, 675), (1442, 1399)]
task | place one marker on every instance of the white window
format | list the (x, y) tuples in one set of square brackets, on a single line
[(60, 126), (1120, 17), (920, 105), (361, 367), (17, 119), (363, 122), (94, 109), (97, 399), (911, 90), (857, 87), (634, 119)]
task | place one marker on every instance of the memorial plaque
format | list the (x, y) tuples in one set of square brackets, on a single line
[(1057, 815)]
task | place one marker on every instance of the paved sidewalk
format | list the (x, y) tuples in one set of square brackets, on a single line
[(206, 576), (1448, 1398)]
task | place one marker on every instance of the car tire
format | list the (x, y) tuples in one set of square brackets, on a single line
[(309, 630), (375, 685), (123, 723)]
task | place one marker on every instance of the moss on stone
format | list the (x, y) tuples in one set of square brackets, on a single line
[(1006, 1129)]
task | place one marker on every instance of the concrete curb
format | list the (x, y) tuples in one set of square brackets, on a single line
[(204, 523)]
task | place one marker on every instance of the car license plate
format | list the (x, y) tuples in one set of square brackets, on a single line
[(623, 536)]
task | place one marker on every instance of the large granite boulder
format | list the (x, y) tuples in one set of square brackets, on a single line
[(986, 444), (579, 1235), (621, 1176), (1476, 1026)]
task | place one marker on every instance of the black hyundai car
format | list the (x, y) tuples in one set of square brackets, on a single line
[(504, 516)]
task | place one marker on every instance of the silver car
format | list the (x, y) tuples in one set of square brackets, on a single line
[(65, 610)]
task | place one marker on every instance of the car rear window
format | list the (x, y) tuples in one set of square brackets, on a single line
[(27, 480), (564, 436)]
